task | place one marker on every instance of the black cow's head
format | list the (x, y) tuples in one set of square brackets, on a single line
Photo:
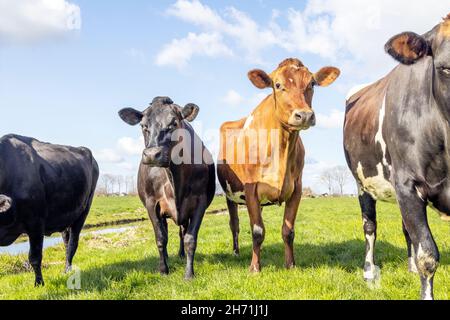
[(409, 47), (158, 122)]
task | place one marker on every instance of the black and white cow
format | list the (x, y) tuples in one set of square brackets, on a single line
[(44, 188), (397, 144)]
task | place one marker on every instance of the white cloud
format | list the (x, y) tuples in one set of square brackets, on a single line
[(136, 54), (180, 51), (130, 146), (349, 33), (108, 156), (334, 120), (233, 98), (33, 20)]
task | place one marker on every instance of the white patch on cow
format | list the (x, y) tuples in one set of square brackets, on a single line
[(428, 290), (291, 80), (257, 230), (378, 187), (420, 194), (356, 89), (371, 271), (412, 267), (248, 122), (379, 136), (234, 196)]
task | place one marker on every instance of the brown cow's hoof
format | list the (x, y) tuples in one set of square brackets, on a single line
[(255, 269), (290, 266)]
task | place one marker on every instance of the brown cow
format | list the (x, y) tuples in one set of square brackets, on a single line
[(262, 156)]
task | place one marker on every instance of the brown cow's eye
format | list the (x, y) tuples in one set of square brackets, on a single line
[(278, 86)]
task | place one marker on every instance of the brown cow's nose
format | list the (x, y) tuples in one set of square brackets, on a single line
[(307, 118)]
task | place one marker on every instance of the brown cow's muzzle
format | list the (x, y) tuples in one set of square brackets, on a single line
[(156, 157), (303, 120)]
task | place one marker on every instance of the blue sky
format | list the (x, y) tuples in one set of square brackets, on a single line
[(65, 73)]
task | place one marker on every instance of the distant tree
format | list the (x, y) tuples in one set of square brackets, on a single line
[(308, 192), (326, 178), (337, 176), (341, 176)]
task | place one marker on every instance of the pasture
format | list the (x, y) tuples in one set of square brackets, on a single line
[(329, 251)]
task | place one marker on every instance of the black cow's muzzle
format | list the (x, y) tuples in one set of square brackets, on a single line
[(156, 157), (303, 120)]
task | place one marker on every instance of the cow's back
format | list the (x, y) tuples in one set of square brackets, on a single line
[(47, 181)]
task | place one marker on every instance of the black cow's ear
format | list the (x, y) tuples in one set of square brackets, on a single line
[(407, 47), (190, 112), (260, 79), (5, 203), (131, 116)]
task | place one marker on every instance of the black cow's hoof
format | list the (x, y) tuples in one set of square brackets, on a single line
[(236, 253), (39, 283)]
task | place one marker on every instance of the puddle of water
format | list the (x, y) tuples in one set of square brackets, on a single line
[(24, 247)]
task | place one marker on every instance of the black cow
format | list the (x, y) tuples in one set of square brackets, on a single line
[(44, 188), (397, 144), (180, 189)]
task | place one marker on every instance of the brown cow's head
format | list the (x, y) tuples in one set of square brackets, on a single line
[(409, 47), (293, 86)]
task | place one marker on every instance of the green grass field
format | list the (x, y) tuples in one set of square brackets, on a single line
[(329, 251)]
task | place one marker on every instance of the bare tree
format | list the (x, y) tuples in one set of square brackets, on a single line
[(341, 176), (338, 176), (326, 178)]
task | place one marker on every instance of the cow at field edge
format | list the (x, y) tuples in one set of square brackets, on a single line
[(44, 188), (396, 140), (180, 190), (272, 130)]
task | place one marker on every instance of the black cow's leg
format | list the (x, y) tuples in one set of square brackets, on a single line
[(190, 239), (181, 252), (161, 237), (35, 256), (414, 215), (72, 245), (257, 225), (411, 253), (369, 216), (234, 224), (288, 230)]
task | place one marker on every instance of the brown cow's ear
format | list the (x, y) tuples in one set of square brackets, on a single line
[(260, 79), (190, 112), (407, 47), (326, 76), (5, 203), (131, 116)]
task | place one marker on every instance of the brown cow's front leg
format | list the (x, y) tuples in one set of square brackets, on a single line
[(35, 256), (257, 225), (288, 230), (161, 236)]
